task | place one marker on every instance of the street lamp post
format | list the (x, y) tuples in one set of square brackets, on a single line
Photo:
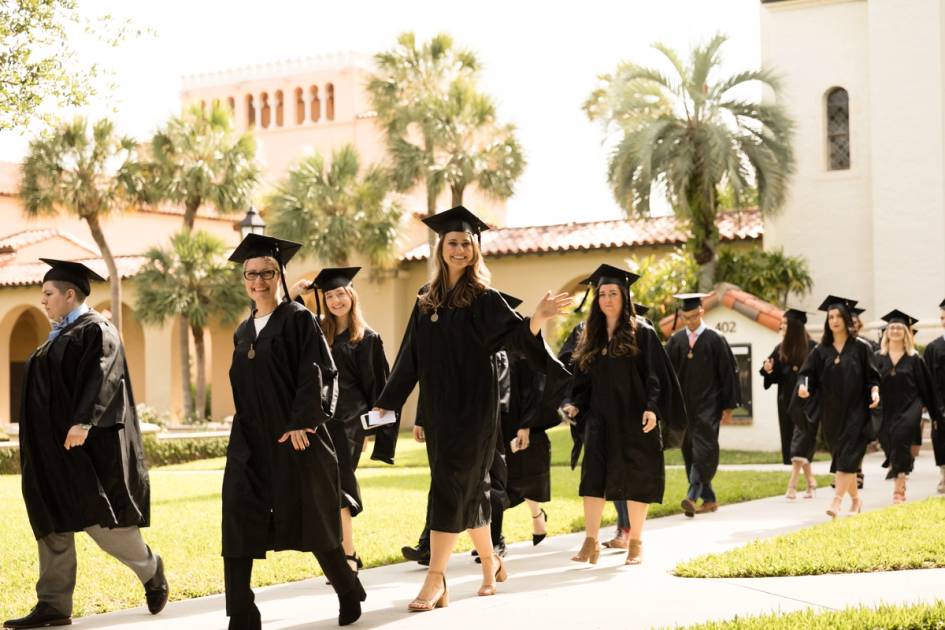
[(252, 223)]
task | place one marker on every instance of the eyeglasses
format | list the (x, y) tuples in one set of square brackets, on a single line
[(268, 274)]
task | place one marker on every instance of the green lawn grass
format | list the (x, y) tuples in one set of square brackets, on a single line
[(911, 617), (898, 537), (411, 454), (186, 531)]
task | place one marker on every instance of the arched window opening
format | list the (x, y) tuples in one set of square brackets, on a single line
[(250, 111), (838, 129), (279, 108), (231, 103), (316, 110), (265, 111), (330, 102), (299, 106)]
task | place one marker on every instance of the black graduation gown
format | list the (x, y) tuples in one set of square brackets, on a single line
[(840, 399), (904, 389), (81, 377), (613, 395), (785, 377), (577, 422), (362, 372), (275, 497), (935, 360), (453, 361), (529, 470), (709, 382)]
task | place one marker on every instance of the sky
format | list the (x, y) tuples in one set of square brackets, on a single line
[(540, 62)]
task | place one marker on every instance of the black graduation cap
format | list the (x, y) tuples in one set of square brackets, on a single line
[(799, 315), (457, 219), (941, 304), (640, 309), (833, 300), (512, 301), (856, 310), (70, 271), (606, 274), (897, 316), (334, 277), (690, 301), (259, 246)]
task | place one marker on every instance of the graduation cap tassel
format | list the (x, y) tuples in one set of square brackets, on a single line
[(318, 304), (675, 319), (583, 300)]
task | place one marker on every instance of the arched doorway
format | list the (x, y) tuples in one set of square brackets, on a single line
[(30, 328)]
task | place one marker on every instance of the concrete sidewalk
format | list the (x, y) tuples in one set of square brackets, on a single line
[(546, 590)]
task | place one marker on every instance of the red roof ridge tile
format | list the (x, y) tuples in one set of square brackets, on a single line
[(738, 300)]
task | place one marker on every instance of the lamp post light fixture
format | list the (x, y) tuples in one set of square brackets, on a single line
[(252, 223)]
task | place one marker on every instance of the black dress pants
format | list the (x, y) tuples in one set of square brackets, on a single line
[(240, 601)]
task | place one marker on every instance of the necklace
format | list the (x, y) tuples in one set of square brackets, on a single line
[(435, 317)]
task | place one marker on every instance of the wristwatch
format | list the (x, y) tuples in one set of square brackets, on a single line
[(85, 427)]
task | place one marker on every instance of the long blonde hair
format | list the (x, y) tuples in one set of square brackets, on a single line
[(356, 323), (474, 281), (908, 341)]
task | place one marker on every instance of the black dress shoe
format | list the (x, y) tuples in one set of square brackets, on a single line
[(420, 553), (349, 604), (42, 616), (155, 589)]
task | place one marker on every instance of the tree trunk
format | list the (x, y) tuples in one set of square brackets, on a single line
[(431, 235), (707, 275), (114, 278), (183, 330), (200, 351), (457, 191)]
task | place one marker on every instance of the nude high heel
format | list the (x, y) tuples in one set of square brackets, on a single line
[(501, 575), (590, 552), (440, 600), (635, 552)]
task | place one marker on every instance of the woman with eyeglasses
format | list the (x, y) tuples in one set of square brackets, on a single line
[(280, 485)]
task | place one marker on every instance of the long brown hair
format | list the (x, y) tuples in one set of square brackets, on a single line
[(594, 338), (796, 343), (474, 281), (356, 323)]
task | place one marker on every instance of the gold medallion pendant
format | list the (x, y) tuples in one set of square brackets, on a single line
[(689, 356), (604, 352), (252, 352), (435, 317), (795, 368), (837, 360)]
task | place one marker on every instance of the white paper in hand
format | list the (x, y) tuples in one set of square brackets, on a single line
[(373, 419)]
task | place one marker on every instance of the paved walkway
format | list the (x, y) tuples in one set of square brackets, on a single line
[(547, 591)]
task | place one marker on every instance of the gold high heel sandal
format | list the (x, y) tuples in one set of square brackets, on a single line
[(441, 600), (501, 575), (635, 552), (791, 493), (811, 489), (589, 552), (834, 510)]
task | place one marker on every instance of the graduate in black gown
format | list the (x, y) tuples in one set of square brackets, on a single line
[(798, 440), (905, 387), (934, 356), (528, 449), (840, 385), (625, 386), (457, 325), (81, 455), (362, 367), (281, 482), (708, 376), (856, 312)]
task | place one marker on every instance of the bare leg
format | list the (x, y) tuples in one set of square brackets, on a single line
[(347, 533), (792, 482), (593, 511), (538, 520), (482, 540), (441, 546), (637, 518)]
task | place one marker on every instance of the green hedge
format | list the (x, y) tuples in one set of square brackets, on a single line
[(156, 452)]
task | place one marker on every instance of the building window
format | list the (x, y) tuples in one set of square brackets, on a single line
[(744, 413), (265, 112), (279, 108), (250, 111), (231, 103), (330, 101), (838, 129), (299, 106), (316, 110)]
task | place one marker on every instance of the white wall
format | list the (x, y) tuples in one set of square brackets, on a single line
[(762, 434), (815, 46)]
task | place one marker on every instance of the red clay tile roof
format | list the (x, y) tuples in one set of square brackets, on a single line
[(565, 237), (17, 240), (31, 273), (752, 307)]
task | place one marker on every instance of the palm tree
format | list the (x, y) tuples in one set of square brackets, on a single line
[(691, 133), (440, 131), (198, 159), (336, 209), (194, 281), (85, 172)]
